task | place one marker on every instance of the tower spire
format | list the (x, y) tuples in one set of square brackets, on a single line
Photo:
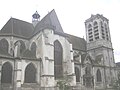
[(35, 18)]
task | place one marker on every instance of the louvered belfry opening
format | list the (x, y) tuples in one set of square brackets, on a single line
[(58, 56)]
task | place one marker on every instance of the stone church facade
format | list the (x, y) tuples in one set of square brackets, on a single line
[(37, 55)]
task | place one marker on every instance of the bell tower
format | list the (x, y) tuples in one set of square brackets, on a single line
[(99, 44), (97, 32), (35, 18)]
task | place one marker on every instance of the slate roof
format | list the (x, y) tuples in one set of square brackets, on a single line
[(77, 42), (24, 29), (17, 27)]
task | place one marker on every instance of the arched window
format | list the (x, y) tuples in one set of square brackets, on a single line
[(58, 56), (107, 32), (101, 23), (21, 45), (89, 26), (98, 75), (6, 76), (4, 45), (77, 73), (95, 23), (87, 71), (33, 48), (105, 26), (96, 32), (30, 74)]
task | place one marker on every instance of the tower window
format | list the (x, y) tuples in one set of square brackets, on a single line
[(96, 31), (97, 37), (95, 27), (89, 26), (90, 40), (90, 29), (90, 33), (101, 24), (95, 23), (103, 37), (96, 34), (91, 36), (98, 75)]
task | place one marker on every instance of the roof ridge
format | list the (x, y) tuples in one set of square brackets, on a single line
[(20, 20), (17, 27)]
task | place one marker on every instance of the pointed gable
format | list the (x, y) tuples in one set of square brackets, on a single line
[(49, 21), (17, 27), (7, 29)]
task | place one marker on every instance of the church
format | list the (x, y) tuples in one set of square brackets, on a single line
[(39, 55)]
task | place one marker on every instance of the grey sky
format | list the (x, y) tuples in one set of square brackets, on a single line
[(71, 13)]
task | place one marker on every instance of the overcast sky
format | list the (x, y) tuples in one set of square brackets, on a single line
[(71, 13)]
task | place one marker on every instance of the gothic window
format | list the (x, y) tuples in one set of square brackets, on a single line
[(33, 48), (105, 26), (101, 23), (22, 46), (77, 73), (96, 33), (89, 26), (4, 45), (6, 76), (88, 78), (30, 74), (87, 70), (90, 32), (58, 56), (95, 23), (106, 30), (98, 75)]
